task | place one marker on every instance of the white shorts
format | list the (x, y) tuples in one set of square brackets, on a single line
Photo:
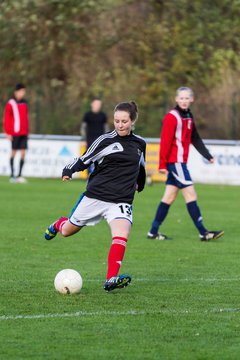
[(89, 211)]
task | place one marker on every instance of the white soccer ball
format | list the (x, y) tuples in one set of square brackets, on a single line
[(68, 281)]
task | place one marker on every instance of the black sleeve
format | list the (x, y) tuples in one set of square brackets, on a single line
[(142, 172), (85, 118), (141, 178), (75, 166), (94, 153), (199, 145)]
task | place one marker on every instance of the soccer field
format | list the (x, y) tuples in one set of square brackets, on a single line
[(184, 300)]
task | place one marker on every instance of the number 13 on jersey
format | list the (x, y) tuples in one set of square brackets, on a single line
[(126, 209)]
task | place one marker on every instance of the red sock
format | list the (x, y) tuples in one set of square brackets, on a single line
[(116, 255), (59, 224)]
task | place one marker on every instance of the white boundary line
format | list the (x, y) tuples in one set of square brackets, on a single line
[(116, 313), (76, 314), (132, 312)]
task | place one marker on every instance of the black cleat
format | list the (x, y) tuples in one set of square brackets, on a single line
[(157, 236), (211, 235), (117, 282)]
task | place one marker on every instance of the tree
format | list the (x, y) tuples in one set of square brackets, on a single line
[(69, 50)]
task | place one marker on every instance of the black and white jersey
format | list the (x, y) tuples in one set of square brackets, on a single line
[(119, 167)]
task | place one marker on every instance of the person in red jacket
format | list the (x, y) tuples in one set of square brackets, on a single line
[(15, 123), (178, 132)]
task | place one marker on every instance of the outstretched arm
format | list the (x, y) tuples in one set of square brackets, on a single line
[(75, 166), (95, 153)]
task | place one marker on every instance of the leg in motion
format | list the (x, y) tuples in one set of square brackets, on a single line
[(190, 197), (63, 226), (120, 229), (162, 211), (195, 213)]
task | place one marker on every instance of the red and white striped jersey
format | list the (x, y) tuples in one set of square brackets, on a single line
[(15, 118), (178, 132)]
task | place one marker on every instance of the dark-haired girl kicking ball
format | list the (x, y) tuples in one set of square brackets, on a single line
[(119, 171)]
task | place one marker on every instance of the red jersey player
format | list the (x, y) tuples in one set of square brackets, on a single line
[(178, 132), (15, 123)]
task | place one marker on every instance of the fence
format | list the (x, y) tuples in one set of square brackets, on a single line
[(48, 154)]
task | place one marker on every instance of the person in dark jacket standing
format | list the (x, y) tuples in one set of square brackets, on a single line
[(178, 132), (16, 128), (119, 171), (94, 122)]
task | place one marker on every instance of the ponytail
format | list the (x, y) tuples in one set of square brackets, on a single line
[(130, 107)]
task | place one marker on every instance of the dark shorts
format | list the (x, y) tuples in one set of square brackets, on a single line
[(19, 142), (178, 175)]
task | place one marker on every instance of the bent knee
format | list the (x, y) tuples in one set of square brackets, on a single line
[(69, 230), (65, 233)]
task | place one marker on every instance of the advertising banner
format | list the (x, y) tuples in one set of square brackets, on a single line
[(152, 160), (45, 158), (225, 170)]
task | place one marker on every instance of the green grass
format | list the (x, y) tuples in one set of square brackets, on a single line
[(183, 303)]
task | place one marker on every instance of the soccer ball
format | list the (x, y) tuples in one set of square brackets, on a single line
[(68, 281)]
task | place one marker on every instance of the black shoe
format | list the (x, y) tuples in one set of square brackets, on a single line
[(117, 282), (157, 236), (211, 235)]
